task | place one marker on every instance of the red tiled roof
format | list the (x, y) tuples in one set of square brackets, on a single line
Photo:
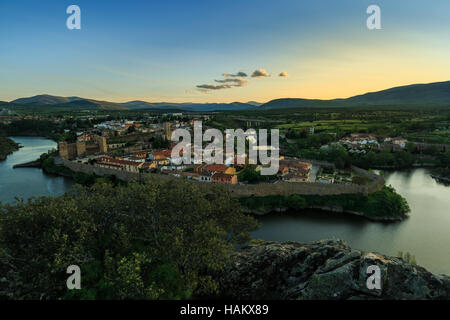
[(164, 153), (216, 168)]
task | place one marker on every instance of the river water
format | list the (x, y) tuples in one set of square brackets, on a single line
[(29, 182), (425, 234)]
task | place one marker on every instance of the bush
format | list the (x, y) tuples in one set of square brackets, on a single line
[(296, 202), (154, 240)]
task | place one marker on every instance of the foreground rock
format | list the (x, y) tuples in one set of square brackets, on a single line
[(327, 269)]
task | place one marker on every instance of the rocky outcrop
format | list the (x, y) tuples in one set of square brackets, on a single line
[(327, 269)]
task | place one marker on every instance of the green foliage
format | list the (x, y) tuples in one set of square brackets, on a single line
[(411, 146), (335, 154), (84, 178), (49, 166), (383, 203), (7, 146), (153, 240), (445, 159), (407, 257), (28, 127), (160, 142), (296, 202), (250, 175), (385, 158)]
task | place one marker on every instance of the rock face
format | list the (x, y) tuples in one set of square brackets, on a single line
[(326, 269)]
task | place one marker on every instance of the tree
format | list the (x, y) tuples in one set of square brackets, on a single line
[(385, 158), (296, 202), (339, 156), (153, 240), (445, 159), (160, 142), (410, 146), (404, 159)]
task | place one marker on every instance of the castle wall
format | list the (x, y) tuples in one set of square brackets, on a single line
[(257, 190)]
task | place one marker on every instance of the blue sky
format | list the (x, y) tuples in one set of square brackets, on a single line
[(162, 50)]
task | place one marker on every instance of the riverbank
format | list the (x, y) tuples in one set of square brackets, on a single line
[(384, 205), (29, 181), (7, 146), (441, 175), (31, 164), (326, 209)]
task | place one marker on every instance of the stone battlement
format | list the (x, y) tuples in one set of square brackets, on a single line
[(240, 190)]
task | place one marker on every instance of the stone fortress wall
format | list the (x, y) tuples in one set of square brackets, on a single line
[(240, 190)]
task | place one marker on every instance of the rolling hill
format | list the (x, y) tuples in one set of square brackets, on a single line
[(435, 94), (83, 103), (45, 99), (68, 102)]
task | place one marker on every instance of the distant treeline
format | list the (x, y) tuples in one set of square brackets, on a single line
[(28, 127)]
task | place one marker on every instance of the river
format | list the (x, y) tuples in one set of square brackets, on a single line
[(29, 182), (424, 234)]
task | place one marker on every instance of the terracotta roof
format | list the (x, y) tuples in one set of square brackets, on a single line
[(217, 168), (164, 153)]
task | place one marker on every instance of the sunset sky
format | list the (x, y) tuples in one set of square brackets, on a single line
[(176, 50)]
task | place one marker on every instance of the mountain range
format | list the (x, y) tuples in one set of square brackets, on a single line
[(83, 103), (436, 94)]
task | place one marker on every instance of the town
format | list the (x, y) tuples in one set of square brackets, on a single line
[(140, 146)]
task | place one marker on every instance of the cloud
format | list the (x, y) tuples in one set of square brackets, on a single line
[(240, 74), (225, 84), (236, 82), (260, 73), (283, 74), (231, 81), (214, 86)]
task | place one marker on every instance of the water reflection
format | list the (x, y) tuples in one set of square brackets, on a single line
[(425, 234), (29, 182)]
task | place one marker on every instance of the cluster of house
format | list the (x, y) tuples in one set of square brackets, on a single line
[(361, 143), (217, 173), (290, 170), (91, 147), (120, 128), (294, 171)]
